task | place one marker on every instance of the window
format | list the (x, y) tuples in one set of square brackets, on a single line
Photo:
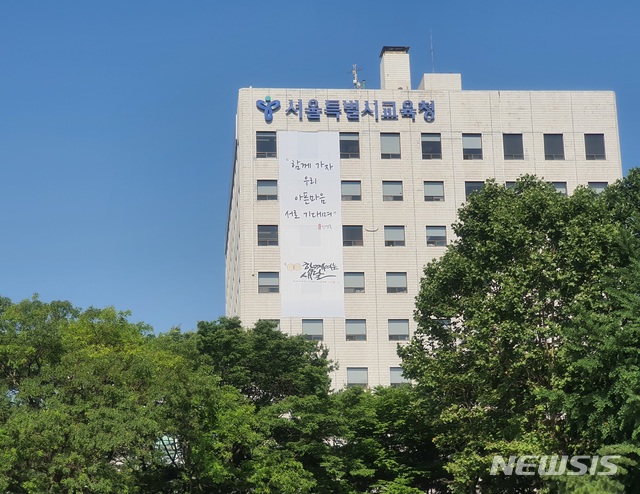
[(354, 283), (398, 329), (436, 236), (509, 185), (267, 190), (594, 146), (265, 144), (391, 191), (357, 376), (560, 187), (553, 147), (355, 329), (351, 190), (267, 234), (390, 146), (349, 145), (396, 377), (471, 187), (598, 187), (352, 235), (512, 145), (312, 329), (396, 282), (268, 282), (431, 147), (394, 236), (275, 322), (472, 146), (434, 191)]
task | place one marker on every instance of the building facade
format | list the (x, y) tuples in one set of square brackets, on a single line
[(364, 185)]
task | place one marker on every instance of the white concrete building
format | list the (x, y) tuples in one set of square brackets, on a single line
[(391, 167)]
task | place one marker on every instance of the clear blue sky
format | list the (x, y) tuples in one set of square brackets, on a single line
[(117, 119)]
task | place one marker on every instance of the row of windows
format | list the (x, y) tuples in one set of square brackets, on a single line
[(512, 144), (352, 235), (356, 329), (396, 282), (359, 376), (392, 190)]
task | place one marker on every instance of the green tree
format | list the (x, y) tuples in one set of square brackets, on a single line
[(539, 357)]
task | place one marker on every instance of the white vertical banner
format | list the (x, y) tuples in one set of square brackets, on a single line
[(311, 274)]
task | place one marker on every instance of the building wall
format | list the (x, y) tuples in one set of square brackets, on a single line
[(490, 113)]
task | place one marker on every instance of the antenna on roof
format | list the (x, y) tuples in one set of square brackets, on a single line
[(354, 72), (433, 65)]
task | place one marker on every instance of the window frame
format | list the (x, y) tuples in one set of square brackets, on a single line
[(265, 235), (267, 196), (396, 288), (600, 144), (387, 195), (272, 151), (468, 152), (311, 325), (345, 138), (398, 335), (436, 240), (268, 287), (436, 153), (355, 335), (472, 183), (433, 198), (518, 144), (358, 371), (390, 242), (390, 147), (398, 373), (353, 288), (352, 243), (549, 146), (351, 197), (598, 187)]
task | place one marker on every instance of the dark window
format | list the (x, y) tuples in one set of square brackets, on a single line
[(390, 146), (560, 187), (349, 145), (431, 147), (594, 146), (265, 145), (351, 190), (352, 235), (472, 146), (267, 234), (436, 236), (434, 191), (509, 185), (312, 329), (391, 191), (471, 187), (598, 187), (355, 329), (398, 329), (394, 236), (512, 144), (396, 282), (267, 190), (354, 283), (553, 147), (268, 282)]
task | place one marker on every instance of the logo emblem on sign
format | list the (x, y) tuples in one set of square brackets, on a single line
[(268, 107)]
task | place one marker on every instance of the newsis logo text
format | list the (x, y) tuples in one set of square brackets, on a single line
[(550, 465)]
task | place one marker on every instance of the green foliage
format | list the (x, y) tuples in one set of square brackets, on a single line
[(542, 355)]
